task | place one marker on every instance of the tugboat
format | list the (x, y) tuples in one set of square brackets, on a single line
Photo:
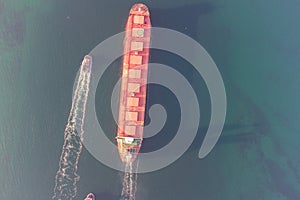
[(90, 196), (87, 63)]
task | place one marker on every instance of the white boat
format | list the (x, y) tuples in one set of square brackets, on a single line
[(90, 196)]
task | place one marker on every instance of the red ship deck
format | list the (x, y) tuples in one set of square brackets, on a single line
[(134, 79)]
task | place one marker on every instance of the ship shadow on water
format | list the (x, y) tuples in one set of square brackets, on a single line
[(185, 19), (182, 18)]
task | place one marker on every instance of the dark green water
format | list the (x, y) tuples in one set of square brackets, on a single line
[(256, 46)]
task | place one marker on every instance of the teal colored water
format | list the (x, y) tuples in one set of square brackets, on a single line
[(256, 47)]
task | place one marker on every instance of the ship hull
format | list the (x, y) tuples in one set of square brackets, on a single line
[(134, 83)]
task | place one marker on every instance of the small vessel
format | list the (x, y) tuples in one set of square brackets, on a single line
[(133, 83), (87, 63), (90, 196)]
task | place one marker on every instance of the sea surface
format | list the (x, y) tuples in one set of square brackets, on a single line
[(256, 47)]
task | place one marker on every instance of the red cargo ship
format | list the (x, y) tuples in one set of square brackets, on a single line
[(134, 80)]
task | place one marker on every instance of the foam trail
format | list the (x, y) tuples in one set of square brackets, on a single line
[(66, 176), (129, 181)]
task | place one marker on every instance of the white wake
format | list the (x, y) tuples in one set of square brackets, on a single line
[(130, 181), (66, 176)]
